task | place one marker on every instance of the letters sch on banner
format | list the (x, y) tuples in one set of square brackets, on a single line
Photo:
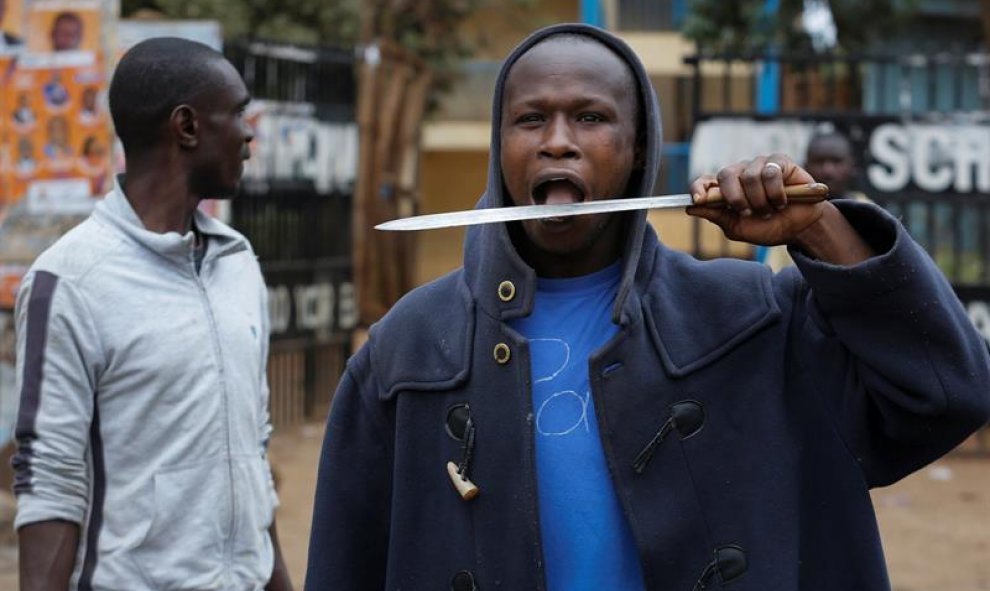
[(323, 309), (934, 158), (895, 156)]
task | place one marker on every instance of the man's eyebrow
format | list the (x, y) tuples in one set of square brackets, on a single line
[(576, 102)]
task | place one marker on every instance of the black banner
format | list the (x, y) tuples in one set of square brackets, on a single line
[(314, 302)]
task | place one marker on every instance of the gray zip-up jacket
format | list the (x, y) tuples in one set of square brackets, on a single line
[(144, 404)]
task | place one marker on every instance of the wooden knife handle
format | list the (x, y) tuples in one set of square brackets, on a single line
[(807, 193)]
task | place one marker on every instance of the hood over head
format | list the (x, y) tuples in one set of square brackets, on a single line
[(490, 255)]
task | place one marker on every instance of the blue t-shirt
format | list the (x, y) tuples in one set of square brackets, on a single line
[(587, 543)]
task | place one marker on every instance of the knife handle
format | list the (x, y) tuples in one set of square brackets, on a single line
[(806, 193)]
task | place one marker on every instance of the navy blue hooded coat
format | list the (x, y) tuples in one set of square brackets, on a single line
[(744, 416)]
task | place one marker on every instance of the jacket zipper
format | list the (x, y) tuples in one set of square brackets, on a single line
[(218, 354)]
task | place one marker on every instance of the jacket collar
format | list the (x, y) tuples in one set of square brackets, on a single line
[(117, 211), (698, 311)]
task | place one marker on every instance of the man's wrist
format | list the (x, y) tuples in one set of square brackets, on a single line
[(832, 239)]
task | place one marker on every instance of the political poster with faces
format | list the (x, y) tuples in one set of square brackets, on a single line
[(55, 138), (63, 25), (58, 129), (6, 178)]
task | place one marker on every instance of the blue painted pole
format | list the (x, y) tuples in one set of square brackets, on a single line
[(768, 85), (768, 95), (592, 13)]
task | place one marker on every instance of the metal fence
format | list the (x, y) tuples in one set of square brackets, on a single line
[(300, 232), (650, 15), (904, 85)]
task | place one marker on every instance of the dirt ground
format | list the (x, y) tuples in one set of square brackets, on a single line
[(935, 524)]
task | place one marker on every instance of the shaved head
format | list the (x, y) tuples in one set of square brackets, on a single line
[(620, 76), (152, 79)]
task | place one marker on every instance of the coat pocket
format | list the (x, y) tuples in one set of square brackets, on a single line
[(252, 552), (183, 549)]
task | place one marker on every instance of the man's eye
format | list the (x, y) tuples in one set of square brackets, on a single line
[(590, 118), (530, 118)]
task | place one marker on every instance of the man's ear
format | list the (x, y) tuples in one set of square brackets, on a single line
[(184, 126)]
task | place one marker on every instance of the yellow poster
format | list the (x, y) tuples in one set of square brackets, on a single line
[(63, 25)]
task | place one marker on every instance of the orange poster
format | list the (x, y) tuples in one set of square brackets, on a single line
[(6, 179), (58, 132), (63, 25)]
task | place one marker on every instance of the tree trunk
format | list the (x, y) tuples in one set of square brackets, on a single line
[(392, 89)]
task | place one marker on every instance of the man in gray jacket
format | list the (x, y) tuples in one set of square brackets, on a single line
[(142, 347)]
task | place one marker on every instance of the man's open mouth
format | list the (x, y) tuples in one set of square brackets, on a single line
[(554, 190)]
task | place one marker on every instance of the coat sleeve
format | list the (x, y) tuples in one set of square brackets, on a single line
[(891, 352), (58, 363), (348, 548)]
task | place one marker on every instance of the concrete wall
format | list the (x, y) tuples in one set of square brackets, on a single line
[(451, 180), (495, 30)]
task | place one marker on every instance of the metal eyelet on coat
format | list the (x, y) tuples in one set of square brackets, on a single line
[(463, 581), (502, 353), (506, 291)]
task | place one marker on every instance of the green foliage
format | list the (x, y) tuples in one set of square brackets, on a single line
[(429, 28), (329, 22), (745, 26)]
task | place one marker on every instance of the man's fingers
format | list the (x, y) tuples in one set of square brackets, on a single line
[(700, 187), (752, 181), (733, 192), (772, 180), (791, 173)]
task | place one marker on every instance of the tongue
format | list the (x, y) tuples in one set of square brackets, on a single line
[(562, 192)]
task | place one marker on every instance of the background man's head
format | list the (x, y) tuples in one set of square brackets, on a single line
[(830, 160), (67, 31), (180, 102)]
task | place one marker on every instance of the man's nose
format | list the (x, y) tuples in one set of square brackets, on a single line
[(248, 131), (559, 140)]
